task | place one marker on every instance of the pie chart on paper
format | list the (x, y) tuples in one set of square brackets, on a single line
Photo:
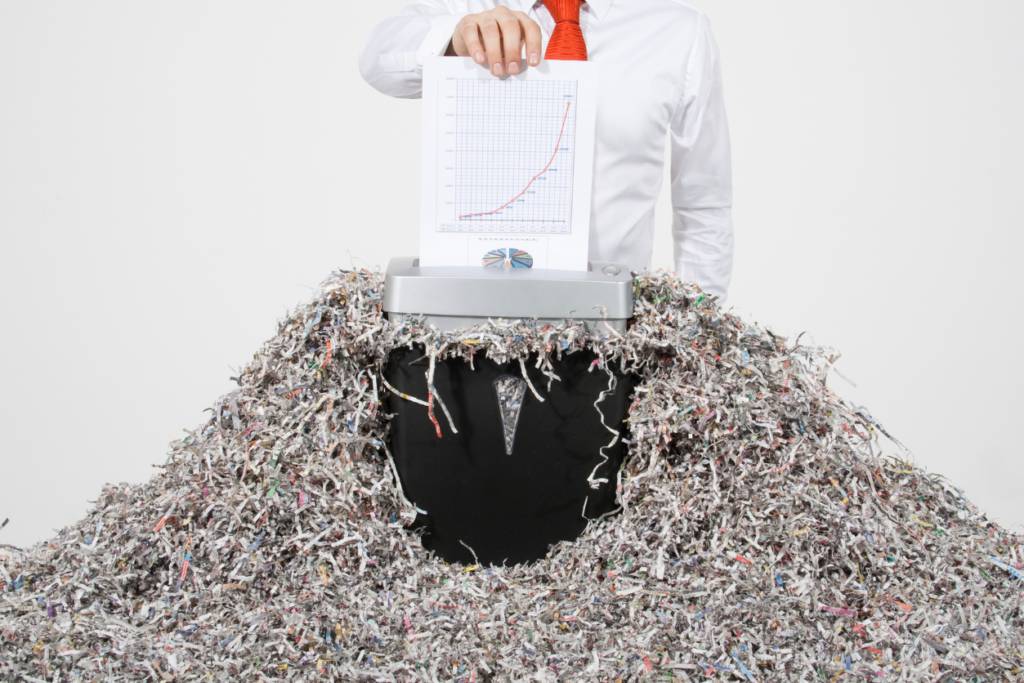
[(508, 258)]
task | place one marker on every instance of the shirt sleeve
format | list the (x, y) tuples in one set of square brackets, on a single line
[(702, 172), (391, 59)]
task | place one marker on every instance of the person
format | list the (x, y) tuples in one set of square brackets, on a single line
[(659, 74)]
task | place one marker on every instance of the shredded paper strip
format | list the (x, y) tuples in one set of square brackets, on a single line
[(764, 535)]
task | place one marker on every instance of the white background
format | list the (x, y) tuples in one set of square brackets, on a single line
[(174, 176)]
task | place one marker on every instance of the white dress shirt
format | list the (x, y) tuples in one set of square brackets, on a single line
[(659, 74)]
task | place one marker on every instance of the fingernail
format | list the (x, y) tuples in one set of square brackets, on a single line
[(496, 69), (479, 57), (534, 59), (513, 67)]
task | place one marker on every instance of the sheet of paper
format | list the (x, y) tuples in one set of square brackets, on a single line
[(507, 165)]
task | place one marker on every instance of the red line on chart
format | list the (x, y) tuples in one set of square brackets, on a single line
[(551, 161)]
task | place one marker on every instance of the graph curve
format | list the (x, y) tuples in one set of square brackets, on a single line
[(561, 133)]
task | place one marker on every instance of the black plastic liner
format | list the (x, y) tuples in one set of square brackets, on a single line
[(508, 508)]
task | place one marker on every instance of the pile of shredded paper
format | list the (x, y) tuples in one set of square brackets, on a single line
[(763, 536)]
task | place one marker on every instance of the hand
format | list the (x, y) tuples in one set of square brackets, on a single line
[(483, 36)]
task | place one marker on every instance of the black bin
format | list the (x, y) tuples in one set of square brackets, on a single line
[(521, 474)]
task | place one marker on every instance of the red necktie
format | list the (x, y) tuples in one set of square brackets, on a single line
[(567, 38)]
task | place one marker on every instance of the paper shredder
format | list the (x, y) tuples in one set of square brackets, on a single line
[(514, 480)]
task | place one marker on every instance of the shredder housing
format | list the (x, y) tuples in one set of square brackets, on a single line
[(480, 502)]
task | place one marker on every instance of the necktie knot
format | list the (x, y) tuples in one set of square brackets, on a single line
[(564, 10), (567, 38)]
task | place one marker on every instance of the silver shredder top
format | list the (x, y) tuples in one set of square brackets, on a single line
[(453, 297)]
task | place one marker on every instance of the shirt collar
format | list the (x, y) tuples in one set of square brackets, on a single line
[(598, 7)]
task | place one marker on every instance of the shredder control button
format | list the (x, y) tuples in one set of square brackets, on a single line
[(610, 270)]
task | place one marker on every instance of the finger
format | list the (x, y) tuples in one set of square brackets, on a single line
[(492, 44), (458, 44), (470, 35), (531, 32), (512, 40)]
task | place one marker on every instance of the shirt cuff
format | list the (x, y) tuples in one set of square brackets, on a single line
[(440, 35)]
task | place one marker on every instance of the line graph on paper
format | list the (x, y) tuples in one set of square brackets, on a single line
[(506, 156)]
